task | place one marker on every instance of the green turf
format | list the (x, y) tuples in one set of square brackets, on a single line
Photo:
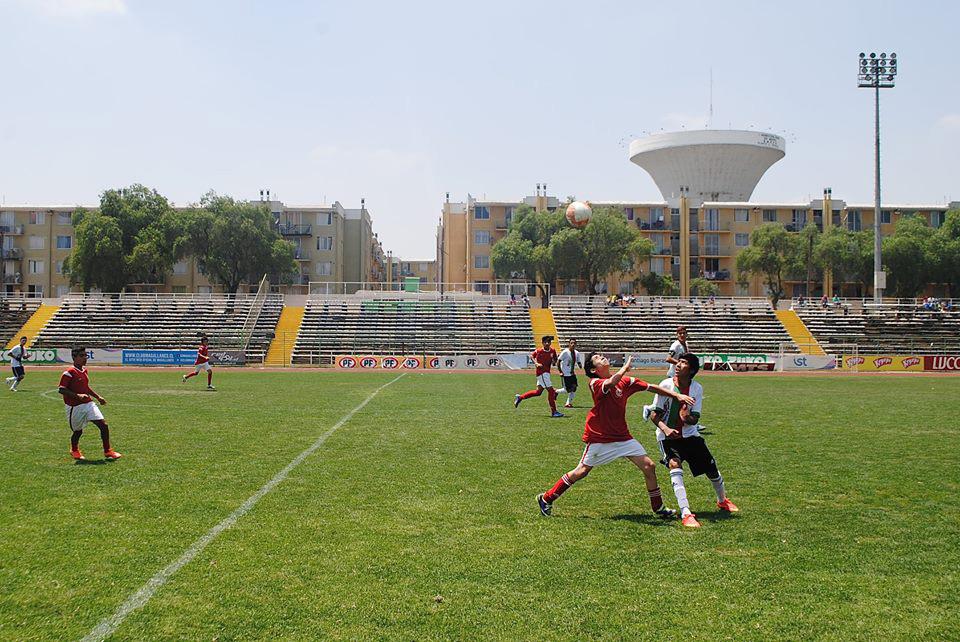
[(417, 519)]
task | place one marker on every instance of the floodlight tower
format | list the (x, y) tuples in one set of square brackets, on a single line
[(877, 72)]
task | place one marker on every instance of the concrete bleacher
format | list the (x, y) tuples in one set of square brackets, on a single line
[(14, 312), (161, 321), (422, 324), (745, 325), (883, 329)]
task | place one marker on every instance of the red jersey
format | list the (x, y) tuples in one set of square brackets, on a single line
[(75, 380), (544, 359), (607, 420), (202, 355)]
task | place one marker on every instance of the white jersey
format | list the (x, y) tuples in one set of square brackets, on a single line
[(16, 357), (669, 409), (568, 361), (677, 350)]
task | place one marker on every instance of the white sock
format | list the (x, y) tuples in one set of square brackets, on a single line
[(718, 487), (570, 396), (16, 383), (9, 379), (676, 478)]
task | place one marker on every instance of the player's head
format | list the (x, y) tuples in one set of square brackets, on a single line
[(688, 365), (546, 340), (23, 341), (682, 332), (203, 340), (79, 354), (572, 343), (596, 365)]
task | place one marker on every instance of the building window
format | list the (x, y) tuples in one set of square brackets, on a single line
[(480, 212), (180, 267), (324, 268), (481, 261), (853, 220), (656, 265), (481, 237), (58, 266), (835, 218), (63, 290), (799, 219), (711, 265), (324, 242), (743, 290), (711, 219), (656, 218), (508, 215), (38, 218), (35, 267), (325, 218), (6, 219), (628, 211), (936, 219), (179, 289), (769, 216), (482, 286), (64, 242), (741, 215), (742, 240), (37, 243), (884, 216), (711, 244), (35, 290), (205, 289), (63, 218), (424, 267)]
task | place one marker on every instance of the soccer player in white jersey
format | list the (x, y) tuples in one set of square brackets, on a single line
[(568, 361), (17, 356), (679, 439), (677, 349)]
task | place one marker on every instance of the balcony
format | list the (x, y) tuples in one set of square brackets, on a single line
[(289, 229), (13, 279), (719, 275), (12, 230), (654, 226), (501, 225), (300, 254), (11, 254)]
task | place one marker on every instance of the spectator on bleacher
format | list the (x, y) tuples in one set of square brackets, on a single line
[(513, 299), (801, 301), (824, 301), (526, 301), (836, 301)]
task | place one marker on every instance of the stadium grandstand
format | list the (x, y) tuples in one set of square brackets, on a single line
[(14, 312), (729, 325), (890, 328), (427, 323), (232, 322)]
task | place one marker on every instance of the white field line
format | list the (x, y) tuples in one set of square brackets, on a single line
[(107, 627)]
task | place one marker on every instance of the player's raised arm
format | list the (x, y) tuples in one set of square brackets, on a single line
[(684, 399), (618, 375)]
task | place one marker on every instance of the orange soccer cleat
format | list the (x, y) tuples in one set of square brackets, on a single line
[(690, 521), (76, 454), (111, 454), (728, 506)]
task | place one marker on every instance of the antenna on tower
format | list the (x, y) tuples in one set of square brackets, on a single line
[(710, 121)]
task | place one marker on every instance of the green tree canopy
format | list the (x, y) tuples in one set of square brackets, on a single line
[(703, 287), (908, 255), (771, 253)]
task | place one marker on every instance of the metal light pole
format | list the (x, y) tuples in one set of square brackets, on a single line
[(877, 72)]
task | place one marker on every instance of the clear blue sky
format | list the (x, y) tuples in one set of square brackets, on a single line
[(400, 102)]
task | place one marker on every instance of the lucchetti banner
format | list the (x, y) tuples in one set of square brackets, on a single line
[(884, 362), (942, 362)]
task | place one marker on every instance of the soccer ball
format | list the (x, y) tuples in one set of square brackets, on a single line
[(579, 213)]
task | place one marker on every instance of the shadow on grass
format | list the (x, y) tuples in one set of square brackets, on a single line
[(716, 516), (647, 519), (92, 462)]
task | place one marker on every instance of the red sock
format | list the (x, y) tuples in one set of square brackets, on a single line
[(532, 393), (558, 489), (656, 498), (552, 398)]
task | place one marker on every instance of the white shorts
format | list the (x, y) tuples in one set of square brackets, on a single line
[(544, 381), (202, 366), (600, 454), (78, 416)]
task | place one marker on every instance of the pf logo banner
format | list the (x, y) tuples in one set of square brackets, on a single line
[(390, 363), (346, 362), (434, 362), (411, 363), (493, 362), (368, 362)]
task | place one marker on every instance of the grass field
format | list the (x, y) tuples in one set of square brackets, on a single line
[(416, 519)]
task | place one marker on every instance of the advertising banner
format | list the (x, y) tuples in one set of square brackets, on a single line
[(511, 361), (41, 356), (649, 361), (159, 357), (737, 362), (226, 357), (793, 362), (883, 362), (942, 362)]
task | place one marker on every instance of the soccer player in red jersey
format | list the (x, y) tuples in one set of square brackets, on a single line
[(544, 357), (606, 433), (78, 396), (202, 363)]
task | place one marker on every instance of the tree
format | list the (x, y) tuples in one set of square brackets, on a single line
[(848, 255), (659, 284), (770, 254), (235, 241), (611, 246), (704, 287), (908, 257), (946, 251), (807, 261), (123, 241), (525, 251)]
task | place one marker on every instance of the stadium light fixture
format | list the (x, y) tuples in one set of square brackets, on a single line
[(877, 72)]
